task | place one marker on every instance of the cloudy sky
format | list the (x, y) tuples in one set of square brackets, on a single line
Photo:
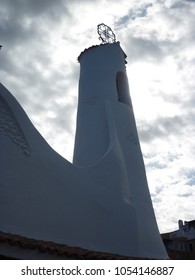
[(38, 63)]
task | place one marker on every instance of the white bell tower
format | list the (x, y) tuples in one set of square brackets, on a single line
[(106, 125)]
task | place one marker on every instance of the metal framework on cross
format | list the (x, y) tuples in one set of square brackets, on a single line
[(105, 33)]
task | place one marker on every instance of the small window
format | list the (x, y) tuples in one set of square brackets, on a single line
[(123, 88)]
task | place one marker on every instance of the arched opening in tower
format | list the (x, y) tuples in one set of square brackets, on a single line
[(123, 88)]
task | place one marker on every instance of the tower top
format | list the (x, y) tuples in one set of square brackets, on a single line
[(106, 34)]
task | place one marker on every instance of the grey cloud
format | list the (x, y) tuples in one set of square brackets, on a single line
[(187, 194), (156, 164), (161, 128), (122, 21), (34, 7), (190, 176), (63, 121), (155, 47), (132, 14), (193, 1), (152, 48), (140, 48), (26, 47), (191, 181), (22, 22), (42, 93), (170, 98)]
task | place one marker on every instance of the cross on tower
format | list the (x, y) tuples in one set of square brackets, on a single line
[(106, 34)]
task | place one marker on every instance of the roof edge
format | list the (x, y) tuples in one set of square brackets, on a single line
[(58, 250), (101, 45)]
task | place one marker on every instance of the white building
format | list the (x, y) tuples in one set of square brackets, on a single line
[(101, 202), (180, 244), (186, 229)]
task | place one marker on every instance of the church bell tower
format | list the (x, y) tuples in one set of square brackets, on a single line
[(106, 127)]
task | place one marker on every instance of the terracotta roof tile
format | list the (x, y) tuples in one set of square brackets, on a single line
[(56, 249)]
